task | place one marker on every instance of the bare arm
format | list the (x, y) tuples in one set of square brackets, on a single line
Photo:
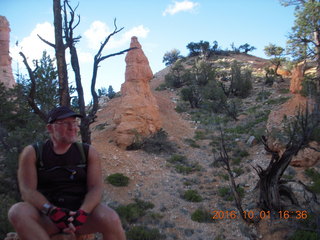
[(27, 178), (94, 182)]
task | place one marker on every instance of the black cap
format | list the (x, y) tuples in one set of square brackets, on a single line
[(61, 113)]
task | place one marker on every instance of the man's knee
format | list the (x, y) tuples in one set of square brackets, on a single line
[(18, 210), (108, 215)]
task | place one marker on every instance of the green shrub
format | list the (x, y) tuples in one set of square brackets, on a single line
[(307, 228), (192, 196), (181, 165), (224, 176), (263, 95), (5, 202), (304, 235), (315, 176), (186, 169), (192, 143), (201, 215), (177, 158), (118, 180), (225, 193), (238, 171), (158, 143), (200, 135), (277, 101), (143, 233), (133, 211), (181, 108)]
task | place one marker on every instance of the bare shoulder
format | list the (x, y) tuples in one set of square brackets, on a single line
[(28, 154), (93, 154)]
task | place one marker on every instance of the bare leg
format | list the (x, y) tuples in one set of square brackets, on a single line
[(106, 221), (29, 223)]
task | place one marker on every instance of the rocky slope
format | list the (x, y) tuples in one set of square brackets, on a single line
[(154, 180)]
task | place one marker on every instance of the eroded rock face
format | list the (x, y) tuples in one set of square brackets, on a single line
[(306, 157), (6, 76), (138, 112), (297, 78)]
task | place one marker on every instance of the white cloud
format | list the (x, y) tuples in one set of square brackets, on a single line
[(183, 6), (98, 31), (85, 57), (32, 46)]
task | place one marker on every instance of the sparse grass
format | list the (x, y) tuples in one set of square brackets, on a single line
[(192, 143), (181, 164), (250, 125), (183, 169), (224, 176), (200, 135), (276, 101), (238, 154), (181, 108), (144, 233), (192, 196), (177, 158), (284, 90), (118, 180), (226, 193), (263, 95)]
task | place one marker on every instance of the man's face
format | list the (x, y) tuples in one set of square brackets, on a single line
[(64, 130)]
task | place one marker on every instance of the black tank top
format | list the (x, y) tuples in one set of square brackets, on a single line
[(63, 178)]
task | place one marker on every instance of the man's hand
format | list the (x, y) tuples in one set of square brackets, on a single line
[(78, 218), (60, 217)]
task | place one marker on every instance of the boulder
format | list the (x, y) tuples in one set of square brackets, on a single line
[(138, 112)]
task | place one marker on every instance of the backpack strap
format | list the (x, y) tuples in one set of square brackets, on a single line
[(38, 147), (83, 155)]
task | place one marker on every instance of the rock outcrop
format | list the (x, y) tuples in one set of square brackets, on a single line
[(138, 112), (6, 76), (297, 78), (306, 157)]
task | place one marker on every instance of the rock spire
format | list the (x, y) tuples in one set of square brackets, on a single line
[(138, 112)]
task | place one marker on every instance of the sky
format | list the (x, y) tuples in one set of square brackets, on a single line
[(160, 25)]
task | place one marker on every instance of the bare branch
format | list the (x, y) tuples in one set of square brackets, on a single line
[(225, 159), (32, 92), (115, 31), (47, 42), (115, 54)]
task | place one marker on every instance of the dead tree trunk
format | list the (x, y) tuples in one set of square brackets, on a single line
[(60, 55), (299, 132), (270, 184), (90, 115)]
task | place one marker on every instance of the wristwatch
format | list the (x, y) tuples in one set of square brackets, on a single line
[(46, 208)]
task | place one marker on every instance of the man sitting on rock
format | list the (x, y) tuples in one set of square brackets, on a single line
[(62, 187)]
